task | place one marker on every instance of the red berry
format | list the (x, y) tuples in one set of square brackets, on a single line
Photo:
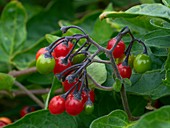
[(74, 106), (40, 51), (59, 66), (125, 71), (2, 124), (26, 109), (85, 96), (119, 49), (68, 85), (57, 105), (62, 50)]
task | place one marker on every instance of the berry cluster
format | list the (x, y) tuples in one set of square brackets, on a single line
[(69, 62)]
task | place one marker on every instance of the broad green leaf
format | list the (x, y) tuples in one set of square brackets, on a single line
[(160, 42), (115, 119), (160, 23), (137, 108), (153, 10), (157, 38), (144, 84), (51, 38), (32, 9), (106, 102), (13, 28), (147, 1), (84, 120), (166, 2), (98, 72), (149, 84), (137, 28), (6, 81), (43, 119), (38, 78), (26, 58), (159, 51), (157, 33), (156, 119), (167, 70), (47, 20), (102, 31)]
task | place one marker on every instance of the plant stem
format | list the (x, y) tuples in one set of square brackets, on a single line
[(23, 72), (15, 93), (125, 102), (31, 95)]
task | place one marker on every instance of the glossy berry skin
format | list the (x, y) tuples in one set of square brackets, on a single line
[(44, 64), (68, 85), (6, 120), (74, 106), (40, 52), (62, 50), (119, 49), (2, 124), (85, 96), (125, 71), (142, 63), (26, 109), (57, 105), (59, 66)]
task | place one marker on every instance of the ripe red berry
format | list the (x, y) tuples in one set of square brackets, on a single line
[(26, 109), (40, 51), (57, 105), (85, 96), (74, 106), (59, 66), (62, 50), (2, 124), (125, 71), (68, 85), (119, 49)]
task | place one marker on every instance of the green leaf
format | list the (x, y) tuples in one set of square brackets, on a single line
[(156, 119), (166, 2), (43, 119), (167, 70), (117, 85), (140, 10), (51, 38), (160, 23), (115, 119), (160, 42), (47, 20), (145, 84), (6, 81), (13, 28), (98, 72), (97, 35), (38, 78), (149, 84)]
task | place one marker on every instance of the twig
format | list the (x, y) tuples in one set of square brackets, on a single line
[(23, 72), (16, 93), (98, 85), (31, 95)]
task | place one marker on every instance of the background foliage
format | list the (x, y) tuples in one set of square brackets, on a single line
[(26, 26)]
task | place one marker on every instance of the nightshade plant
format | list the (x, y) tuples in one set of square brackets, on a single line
[(79, 95)]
